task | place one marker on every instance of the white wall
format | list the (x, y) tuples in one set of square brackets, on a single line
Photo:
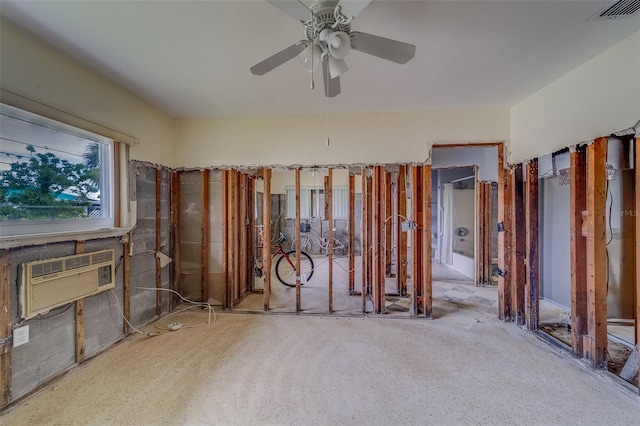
[(600, 97), (486, 158), (32, 69), (355, 138)]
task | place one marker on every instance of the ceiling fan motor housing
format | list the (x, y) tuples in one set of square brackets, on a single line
[(324, 17)]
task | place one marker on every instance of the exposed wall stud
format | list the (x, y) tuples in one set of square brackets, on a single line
[(266, 236), (504, 217), (352, 232), (364, 238), (126, 283), (596, 341), (226, 252), (204, 235), (532, 284), (518, 244), (158, 248), (297, 238), (401, 239), (426, 242), (636, 152), (578, 204), (5, 328), (175, 235), (480, 195), (234, 239), (416, 241)]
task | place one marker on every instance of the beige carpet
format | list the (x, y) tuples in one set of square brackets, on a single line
[(465, 367)]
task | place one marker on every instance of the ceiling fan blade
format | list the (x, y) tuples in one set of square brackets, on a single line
[(331, 85), (294, 8), (277, 59), (351, 8), (385, 48)]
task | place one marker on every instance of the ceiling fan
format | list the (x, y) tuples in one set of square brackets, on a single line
[(327, 26)]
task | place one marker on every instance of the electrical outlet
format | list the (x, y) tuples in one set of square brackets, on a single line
[(20, 336)]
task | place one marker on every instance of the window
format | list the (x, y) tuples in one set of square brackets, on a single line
[(312, 203), (53, 177)]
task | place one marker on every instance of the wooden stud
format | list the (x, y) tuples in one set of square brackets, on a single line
[(636, 152), (370, 243), (479, 193), (487, 232), (380, 225), (204, 235), (79, 318), (401, 239), (416, 239), (596, 349), (234, 238), (126, 283), (175, 236), (375, 239), (578, 204), (266, 236), (251, 226), (427, 297), (244, 247), (352, 232), (5, 328), (364, 237), (297, 237), (328, 201), (158, 240), (518, 240), (504, 217), (532, 302), (226, 232)]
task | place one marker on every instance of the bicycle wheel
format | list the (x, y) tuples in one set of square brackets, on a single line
[(286, 268), (341, 246)]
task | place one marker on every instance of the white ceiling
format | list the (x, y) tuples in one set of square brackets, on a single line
[(192, 58)]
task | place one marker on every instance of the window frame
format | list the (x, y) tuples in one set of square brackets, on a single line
[(109, 193), (312, 199)]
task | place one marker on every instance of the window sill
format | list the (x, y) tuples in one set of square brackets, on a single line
[(56, 237)]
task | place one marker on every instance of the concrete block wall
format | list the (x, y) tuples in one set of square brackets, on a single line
[(143, 240), (51, 347)]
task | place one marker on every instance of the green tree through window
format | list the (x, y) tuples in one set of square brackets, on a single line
[(47, 187)]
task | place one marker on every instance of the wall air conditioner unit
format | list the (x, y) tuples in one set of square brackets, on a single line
[(47, 284)]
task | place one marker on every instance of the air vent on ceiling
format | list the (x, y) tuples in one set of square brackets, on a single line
[(618, 9)]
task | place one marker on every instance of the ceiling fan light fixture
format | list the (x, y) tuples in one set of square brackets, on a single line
[(311, 57), (339, 44), (337, 67)]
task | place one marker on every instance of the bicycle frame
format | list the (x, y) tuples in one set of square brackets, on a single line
[(258, 268)]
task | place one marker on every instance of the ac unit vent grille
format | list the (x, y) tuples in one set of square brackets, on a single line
[(618, 9), (104, 275), (77, 262), (47, 284), (46, 268), (101, 257)]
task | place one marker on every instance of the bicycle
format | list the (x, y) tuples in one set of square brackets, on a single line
[(309, 237), (286, 265)]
